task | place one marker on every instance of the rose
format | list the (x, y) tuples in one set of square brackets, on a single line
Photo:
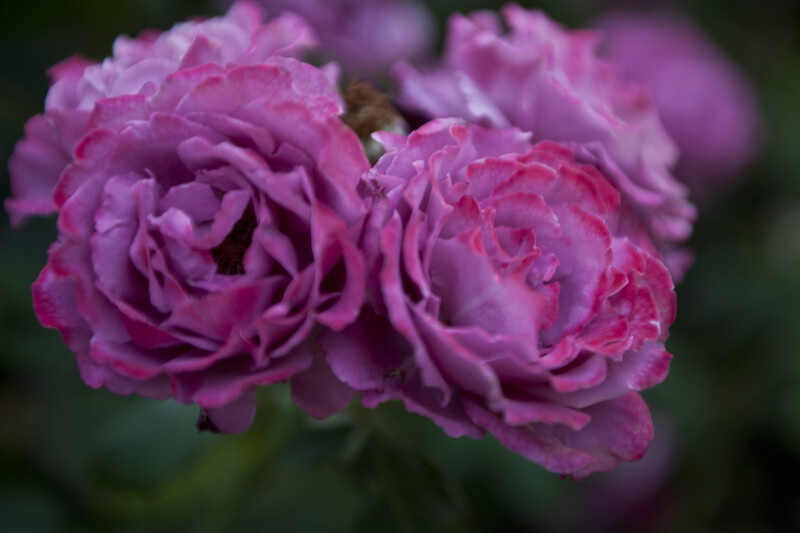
[(505, 299), (207, 229), (364, 36), (548, 81), (138, 66), (705, 101)]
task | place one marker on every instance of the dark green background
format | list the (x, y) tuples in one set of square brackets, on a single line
[(727, 449)]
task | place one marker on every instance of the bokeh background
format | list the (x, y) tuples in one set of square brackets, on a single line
[(726, 455)]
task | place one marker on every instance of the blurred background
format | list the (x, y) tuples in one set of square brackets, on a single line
[(727, 447)]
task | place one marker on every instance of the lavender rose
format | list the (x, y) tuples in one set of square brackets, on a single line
[(548, 81), (138, 66), (505, 299), (707, 104), (365, 36), (207, 228)]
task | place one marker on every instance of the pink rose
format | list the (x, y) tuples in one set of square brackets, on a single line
[(505, 299), (546, 80), (138, 66), (208, 223), (707, 104)]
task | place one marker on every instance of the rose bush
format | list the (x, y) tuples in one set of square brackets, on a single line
[(220, 228), (705, 101), (505, 299), (138, 66), (549, 81), (208, 223)]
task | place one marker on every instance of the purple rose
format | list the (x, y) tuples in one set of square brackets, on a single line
[(548, 81), (365, 36), (505, 299), (138, 66), (705, 101), (208, 228)]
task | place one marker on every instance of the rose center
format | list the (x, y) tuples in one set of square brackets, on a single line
[(229, 255)]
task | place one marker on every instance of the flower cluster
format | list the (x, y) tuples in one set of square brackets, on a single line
[(503, 268)]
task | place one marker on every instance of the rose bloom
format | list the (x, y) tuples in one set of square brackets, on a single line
[(548, 81), (504, 298), (207, 229), (138, 66), (705, 101), (365, 36)]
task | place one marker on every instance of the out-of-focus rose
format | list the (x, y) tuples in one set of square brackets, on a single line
[(635, 497), (138, 66), (207, 228), (705, 101), (365, 36), (505, 298), (549, 81)]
